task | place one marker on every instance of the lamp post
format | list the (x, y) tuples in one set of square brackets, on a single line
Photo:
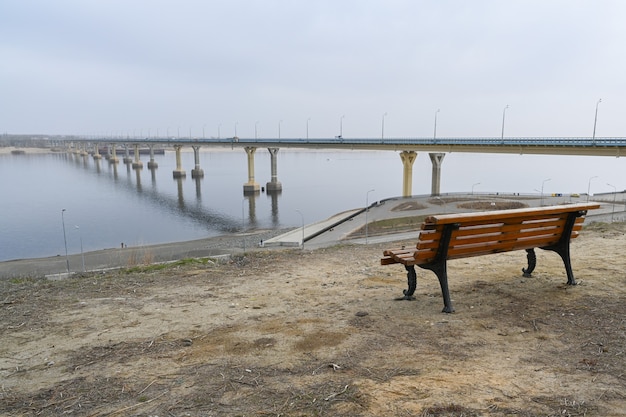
[(302, 217), (589, 186), (503, 116), (367, 208), (243, 223), (382, 131), (307, 128), (279, 122), (203, 126), (341, 126), (219, 127), (255, 129), (474, 185), (595, 121), (435, 131), (542, 184), (67, 261), (82, 255), (236, 123), (614, 195)]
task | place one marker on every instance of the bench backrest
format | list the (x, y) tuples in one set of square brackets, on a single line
[(497, 231)]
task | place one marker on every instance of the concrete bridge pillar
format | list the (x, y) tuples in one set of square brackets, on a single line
[(137, 164), (251, 186), (152, 163), (197, 172), (408, 159), (127, 159), (113, 159), (96, 151), (179, 172), (274, 184), (437, 159)]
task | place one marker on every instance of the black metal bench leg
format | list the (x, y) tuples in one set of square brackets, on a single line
[(532, 263), (411, 277), (442, 275), (563, 251), (562, 248), (441, 270)]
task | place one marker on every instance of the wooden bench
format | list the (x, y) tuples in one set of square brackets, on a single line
[(454, 236)]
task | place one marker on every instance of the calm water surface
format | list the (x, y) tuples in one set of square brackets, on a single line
[(106, 205)]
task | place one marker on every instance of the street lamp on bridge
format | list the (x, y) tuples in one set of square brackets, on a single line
[(382, 134), (595, 121), (341, 126), (435, 131), (503, 115), (307, 127)]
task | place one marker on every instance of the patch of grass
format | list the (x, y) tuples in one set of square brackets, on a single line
[(169, 265)]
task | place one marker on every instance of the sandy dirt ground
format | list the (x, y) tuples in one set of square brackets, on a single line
[(300, 333)]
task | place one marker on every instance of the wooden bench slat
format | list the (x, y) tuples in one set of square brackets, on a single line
[(539, 211)]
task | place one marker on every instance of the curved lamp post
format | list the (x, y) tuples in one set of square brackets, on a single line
[(435, 131), (542, 184), (589, 186), (382, 131), (614, 195), (82, 254), (367, 208), (341, 126), (503, 115), (307, 127), (595, 121), (67, 261), (474, 185)]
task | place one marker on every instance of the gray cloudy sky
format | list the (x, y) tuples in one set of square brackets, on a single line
[(124, 67)]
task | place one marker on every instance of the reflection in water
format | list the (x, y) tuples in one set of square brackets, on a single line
[(198, 189), (274, 197), (251, 197), (138, 179), (181, 198)]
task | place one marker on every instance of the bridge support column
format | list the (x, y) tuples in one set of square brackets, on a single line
[(96, 151), (437, 159), (127, 159), (408, 159), (152, 163), (251, 186), (113, 159), (137, 164), (274, 184), (179, 172), (197, 172)]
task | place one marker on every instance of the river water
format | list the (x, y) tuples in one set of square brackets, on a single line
[(107, 205)]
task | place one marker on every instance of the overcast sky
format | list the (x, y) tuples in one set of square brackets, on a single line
[(129, 67)]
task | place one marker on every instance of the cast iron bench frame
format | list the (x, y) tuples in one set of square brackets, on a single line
[(453, 236)]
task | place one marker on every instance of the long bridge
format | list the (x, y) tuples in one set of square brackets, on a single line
[(407, 148)]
